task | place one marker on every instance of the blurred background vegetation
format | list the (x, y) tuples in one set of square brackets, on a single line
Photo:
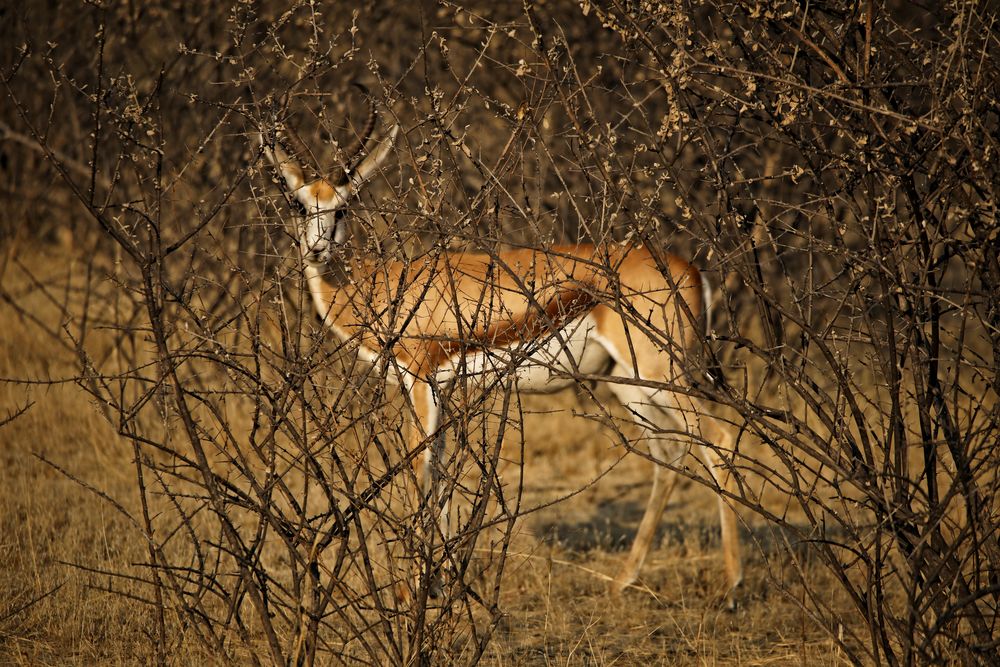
[(831, 165)]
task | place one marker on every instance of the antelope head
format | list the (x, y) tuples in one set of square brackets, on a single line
[(325, 198)]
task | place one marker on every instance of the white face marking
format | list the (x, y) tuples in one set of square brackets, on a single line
[(325, 224)]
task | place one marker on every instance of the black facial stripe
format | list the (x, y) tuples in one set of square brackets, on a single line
[(297, 206)]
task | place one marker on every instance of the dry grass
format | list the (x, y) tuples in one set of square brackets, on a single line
[(829, 165), (56, 606)]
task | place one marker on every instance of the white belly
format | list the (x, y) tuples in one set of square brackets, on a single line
[(543, 365)]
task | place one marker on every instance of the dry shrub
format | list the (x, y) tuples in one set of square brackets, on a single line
[(832, 166)]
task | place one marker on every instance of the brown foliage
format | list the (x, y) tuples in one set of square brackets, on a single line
[(831, 165)]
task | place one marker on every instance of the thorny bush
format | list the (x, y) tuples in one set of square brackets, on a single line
[(832, 165)]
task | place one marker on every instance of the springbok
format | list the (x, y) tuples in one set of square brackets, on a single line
[(551, 317)]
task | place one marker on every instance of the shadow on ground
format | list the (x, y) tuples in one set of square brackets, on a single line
[(612, 527)]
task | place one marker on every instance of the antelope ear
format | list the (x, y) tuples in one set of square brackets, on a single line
[(289, 170), (367, 168)]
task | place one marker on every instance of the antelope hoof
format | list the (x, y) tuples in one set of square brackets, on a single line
[(617, 587), (732, 600), (436, 583), (435, 587)]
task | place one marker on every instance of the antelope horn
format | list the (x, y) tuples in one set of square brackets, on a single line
[(298, 148), (338, 175)]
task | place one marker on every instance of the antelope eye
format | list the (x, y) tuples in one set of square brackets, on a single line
[(298, 207)]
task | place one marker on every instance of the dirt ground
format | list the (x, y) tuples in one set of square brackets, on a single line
[(830, 168), (63, 465)]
